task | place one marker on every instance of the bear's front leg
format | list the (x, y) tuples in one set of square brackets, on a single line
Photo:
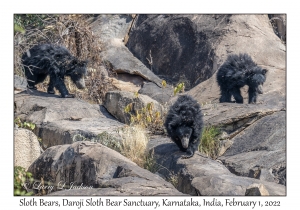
[(252, 95), (59, 83), (193, 147)]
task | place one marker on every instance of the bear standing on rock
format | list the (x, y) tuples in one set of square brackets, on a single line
[(184, 124), (55, 61), (236, 72)]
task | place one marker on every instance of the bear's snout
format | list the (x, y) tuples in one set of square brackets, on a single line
[(80, 83), (185, 142), (260, 89)]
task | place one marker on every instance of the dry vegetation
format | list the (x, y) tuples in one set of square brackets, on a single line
[(73, 32), (134, 144)]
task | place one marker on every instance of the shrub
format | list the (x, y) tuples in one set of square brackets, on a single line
[(26, 125), (210, 143), (21, 177)]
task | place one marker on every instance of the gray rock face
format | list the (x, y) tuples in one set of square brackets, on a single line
[(20, 83), (116, 101), (26, 147), (279, 24), (260, 147), (200, 175), (162, 95), (190, 48), (64, 120), (93, 165)]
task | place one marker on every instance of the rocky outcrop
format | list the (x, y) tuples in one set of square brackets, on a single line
[(91, 165), (113, 30), (26, 147), (201, 175), (190, 48), (260, 150)]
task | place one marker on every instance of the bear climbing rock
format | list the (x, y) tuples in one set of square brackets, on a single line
[(55, 61), (236, 72), (184, 124)]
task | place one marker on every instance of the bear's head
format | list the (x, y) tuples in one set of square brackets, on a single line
[(184, 133), (77, 70), (256, 79)]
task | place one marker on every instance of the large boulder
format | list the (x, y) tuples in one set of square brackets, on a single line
[(91, 165), (26, 147), (190, 48), (64, 120), (116, 102)]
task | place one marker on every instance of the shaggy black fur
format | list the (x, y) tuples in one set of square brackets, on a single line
[(236, 72), (56, 61), (184, 124)]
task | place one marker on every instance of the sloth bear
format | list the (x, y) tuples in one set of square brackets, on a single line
[(184, 124), (236, 72), (55, 61)]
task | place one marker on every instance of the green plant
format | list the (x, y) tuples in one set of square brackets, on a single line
[(109, 140), (150, 163), (27, 125), (179, 88), (21, 177), (210, 143)]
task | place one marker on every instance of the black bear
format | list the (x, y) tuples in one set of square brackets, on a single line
[(55, 61), (184, 124), (236, 72)]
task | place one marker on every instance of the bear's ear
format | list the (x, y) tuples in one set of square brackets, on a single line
[(264, 71)]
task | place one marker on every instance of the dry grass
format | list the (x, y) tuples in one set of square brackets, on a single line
[(134, 144)]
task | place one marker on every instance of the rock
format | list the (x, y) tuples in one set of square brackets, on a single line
[(128, 82), (224, 145), (257, 190), (26, 147), (260, 147), (20, 83), (233, 118), (64, 120), (200, 175), (88, 129), (112, 30), (162, 95), (92, 165), (279, 24), (116, 101), (190, 48)]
